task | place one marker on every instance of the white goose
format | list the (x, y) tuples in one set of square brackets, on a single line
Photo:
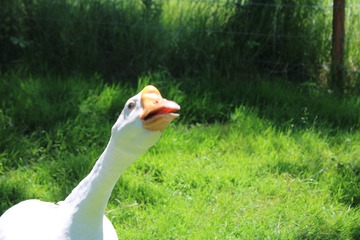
[(81, 215)]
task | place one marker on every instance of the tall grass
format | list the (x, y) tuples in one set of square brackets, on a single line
[(125, 39), (352, 50)]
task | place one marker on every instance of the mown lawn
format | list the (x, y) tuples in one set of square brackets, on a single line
[(246, 177), (242, 180)]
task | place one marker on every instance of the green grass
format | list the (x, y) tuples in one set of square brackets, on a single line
[(242, 162), (221, 182)]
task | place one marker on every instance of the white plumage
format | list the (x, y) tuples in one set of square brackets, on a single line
[(81, 215)]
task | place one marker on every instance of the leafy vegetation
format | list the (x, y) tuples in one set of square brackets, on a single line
[(260, 167), (121, 39)]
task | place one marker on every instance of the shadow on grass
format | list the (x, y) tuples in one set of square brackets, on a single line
[(11, 193), (346, 186)]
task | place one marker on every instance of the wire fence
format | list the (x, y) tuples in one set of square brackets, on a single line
[(327, 9), (178, 27), (184, 29)]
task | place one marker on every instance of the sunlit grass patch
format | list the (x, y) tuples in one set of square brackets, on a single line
[(223, 170)]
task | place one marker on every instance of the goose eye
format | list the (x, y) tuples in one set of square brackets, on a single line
[(131, 105)]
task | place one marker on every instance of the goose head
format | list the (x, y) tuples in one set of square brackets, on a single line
[(143, 119)]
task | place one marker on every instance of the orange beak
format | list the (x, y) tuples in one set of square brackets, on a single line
[(158, 112)]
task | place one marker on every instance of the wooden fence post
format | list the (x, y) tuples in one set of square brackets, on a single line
[(337, 52)]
